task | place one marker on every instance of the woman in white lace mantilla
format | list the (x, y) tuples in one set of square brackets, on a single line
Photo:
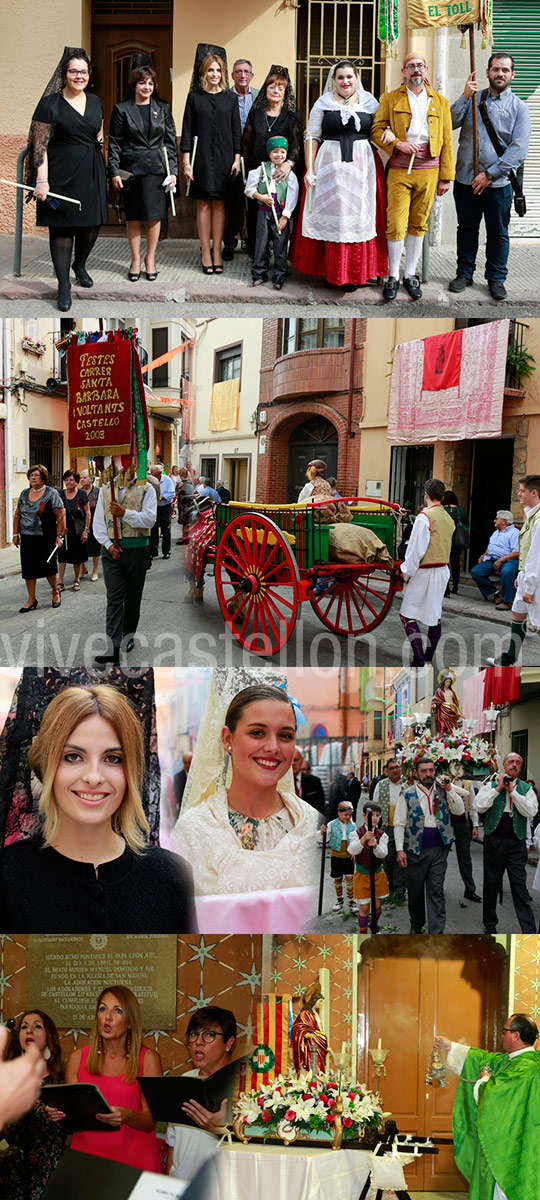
[(341, 233), (239, 832)]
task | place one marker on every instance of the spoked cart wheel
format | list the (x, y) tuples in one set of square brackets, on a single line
[(353, 600), (257, 583)]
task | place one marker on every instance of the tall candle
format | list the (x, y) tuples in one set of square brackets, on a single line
[(379, 1047)]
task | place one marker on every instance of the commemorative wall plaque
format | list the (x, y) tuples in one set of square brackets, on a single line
[(67, 973)]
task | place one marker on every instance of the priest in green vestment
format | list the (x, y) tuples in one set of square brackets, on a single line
[(496, 1118)]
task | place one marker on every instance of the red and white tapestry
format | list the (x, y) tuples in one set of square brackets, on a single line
[(449, 387)]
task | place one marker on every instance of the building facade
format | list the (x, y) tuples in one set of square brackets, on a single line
[(226, 376)]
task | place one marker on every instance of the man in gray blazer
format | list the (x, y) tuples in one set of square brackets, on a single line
[(242, 74)]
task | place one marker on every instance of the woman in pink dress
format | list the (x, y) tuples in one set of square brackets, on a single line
[(112, 1060)]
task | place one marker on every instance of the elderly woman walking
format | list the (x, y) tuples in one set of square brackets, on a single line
[(38, 528)]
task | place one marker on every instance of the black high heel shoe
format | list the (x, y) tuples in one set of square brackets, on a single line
[(83, 278), (64, 297), (30, 607)]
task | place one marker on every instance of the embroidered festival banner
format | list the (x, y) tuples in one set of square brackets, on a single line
[(422, 13), (449, 387), (99, 398)]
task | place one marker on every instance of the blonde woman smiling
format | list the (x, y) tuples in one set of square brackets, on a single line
[(91, 869)]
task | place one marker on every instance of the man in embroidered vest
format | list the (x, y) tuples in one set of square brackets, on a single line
[(125, 559), (508, 803), (495, 1119), (277, 200), (527, 585), (424, 835), (426, 572), (386, 793), (421, 166)]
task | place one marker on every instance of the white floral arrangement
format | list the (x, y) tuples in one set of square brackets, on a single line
[(456, 754), (307, 1105)]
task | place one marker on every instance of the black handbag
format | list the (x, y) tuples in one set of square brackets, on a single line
[(461, 538), (515, 178)]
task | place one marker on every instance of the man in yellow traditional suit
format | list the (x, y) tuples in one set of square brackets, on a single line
[(421, 166)]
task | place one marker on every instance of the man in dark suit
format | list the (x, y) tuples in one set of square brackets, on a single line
[(354, 788), (306, 785)]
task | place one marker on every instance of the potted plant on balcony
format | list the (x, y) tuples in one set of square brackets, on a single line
[(520, 365)]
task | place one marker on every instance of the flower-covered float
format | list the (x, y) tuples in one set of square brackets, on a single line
[(455, 754), (300, 1108)]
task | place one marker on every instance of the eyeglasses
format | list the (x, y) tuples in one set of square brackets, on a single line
[(79, 74), (505, 1030), (414, 66), (207, 1035)]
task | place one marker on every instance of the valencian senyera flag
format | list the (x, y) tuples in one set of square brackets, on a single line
[(107, 417), (450, 386)]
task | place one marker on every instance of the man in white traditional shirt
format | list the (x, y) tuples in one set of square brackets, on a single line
[(424, 835), (426, 572), (527, 585), (386, 793), (122, 527), (508, 803)]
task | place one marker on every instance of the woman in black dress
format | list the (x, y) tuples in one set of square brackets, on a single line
[(141, 128), (75, 501), (272, 114), (211, 114), (65, 156), (92, 545)]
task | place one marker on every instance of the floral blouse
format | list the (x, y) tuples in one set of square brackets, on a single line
[(255, 833)]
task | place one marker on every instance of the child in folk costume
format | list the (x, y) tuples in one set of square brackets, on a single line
[(359, 846), (277, 198), (341, 863), (426, 572)]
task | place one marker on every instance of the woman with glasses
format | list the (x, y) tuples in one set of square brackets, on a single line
[(210, 1039), (65, 156), (112, 1061), (272, 114)]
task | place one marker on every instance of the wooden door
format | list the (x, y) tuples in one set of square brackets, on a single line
[(406, 994)]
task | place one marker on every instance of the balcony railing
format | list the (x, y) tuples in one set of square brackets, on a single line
[(519, 365)]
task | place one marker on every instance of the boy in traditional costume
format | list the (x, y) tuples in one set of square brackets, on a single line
[(277, 199), (341, 864), (426, 572), (495, 1117), (360, 844)]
